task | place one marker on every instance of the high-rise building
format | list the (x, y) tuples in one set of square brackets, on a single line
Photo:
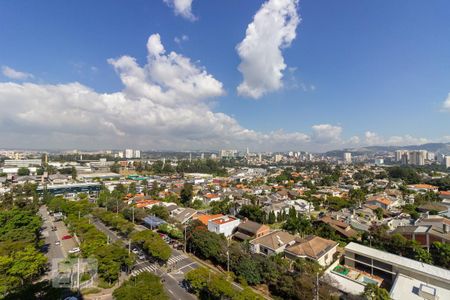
[(278, 157), (129, 153), (120, 154), (447, 161), (399, 154), (347, 157), (227, 153), (417, 157), (137, 153)]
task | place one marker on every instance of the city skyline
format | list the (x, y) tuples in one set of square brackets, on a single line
[(284, 75)]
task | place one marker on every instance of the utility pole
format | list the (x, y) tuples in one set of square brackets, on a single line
[(185, 238), (117, 206), (129, 247), (78, 275), (228, 256), (132, 211), (317, 286)]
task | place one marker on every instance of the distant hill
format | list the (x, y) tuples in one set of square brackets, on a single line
[(443, 148)]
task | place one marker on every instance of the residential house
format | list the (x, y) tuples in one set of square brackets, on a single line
[(183, 215), (313, 248), (421, 188), (272, 243), (426, 235), (223, 225), (249, 230), (341, 228)]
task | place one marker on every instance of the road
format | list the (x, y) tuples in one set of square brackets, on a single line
[(177, 265)]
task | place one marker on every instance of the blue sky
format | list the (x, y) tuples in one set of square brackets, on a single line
[(373, 72)]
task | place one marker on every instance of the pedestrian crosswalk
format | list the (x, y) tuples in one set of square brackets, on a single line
[(147, 268), (174, 259)]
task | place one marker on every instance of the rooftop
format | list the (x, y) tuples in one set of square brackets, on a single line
[(397, 260)]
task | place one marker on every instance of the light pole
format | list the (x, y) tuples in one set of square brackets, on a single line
[(132, 212)]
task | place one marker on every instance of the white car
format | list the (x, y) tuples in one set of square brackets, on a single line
[(141, 256), (57, 243), (135, 250), (74, 250)]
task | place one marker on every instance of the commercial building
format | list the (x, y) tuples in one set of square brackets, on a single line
[(22, 163)]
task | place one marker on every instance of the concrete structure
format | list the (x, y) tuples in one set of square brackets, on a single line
[(22, 163), (223, 225), (447, 161), (388, 266)]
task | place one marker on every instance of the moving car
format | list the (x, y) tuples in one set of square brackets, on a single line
[(57, 243), (67, 237), (74, 250)]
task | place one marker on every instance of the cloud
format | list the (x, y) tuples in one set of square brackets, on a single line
[(326, 133), (262, 63), (14, 74), (179, 40), (164, 104), (182, 8), (446, 104), (373, 138)]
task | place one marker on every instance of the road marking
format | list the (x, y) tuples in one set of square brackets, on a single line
[(187, 266)]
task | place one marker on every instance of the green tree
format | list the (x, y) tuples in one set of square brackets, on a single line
[(74, 173), (441, 254), (145, 286), (23, 171), (374, 292), (186, 194), (160, 211), (152, 243)]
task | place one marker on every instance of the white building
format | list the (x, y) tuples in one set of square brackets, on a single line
[(227, 153), (137, 153), (447, 161), (129, 153), (223, 225), (417, 157), (347, 157)]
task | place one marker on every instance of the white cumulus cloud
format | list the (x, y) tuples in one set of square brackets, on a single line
[(165, 104), (326, 133), (446, 104), (182, 8), (262, 63), (14, 74)]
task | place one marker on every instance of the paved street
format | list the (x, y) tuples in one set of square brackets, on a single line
[(177, 265)]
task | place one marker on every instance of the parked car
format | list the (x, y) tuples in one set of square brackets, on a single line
[(74, 250), (67, 237), (135, 250), (57, 243), (141, 256)]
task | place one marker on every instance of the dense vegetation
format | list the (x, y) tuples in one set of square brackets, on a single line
[(208, 285), (21, 262), (152, 243), (145, 286)]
